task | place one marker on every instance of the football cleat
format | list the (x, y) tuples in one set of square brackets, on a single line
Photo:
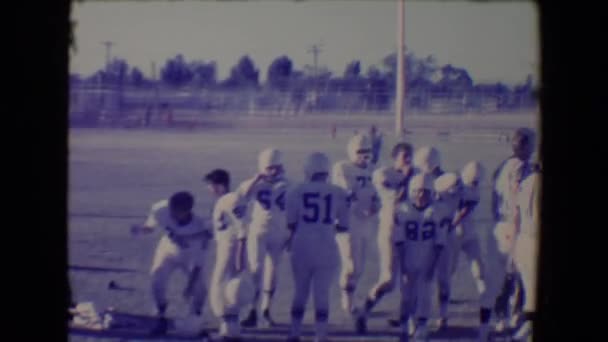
[(251, 320), (268, 321)]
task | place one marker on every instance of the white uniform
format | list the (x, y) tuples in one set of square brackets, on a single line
[(228, 227), (177, 249), (467, 239), (389, 183), (267, 231), (526, 245), (420, 232), (317, 210), (446, 208), (500, 240), (357, 182)]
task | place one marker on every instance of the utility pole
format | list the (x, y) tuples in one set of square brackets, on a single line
[(108, 45), (400, 96), (315, 49)]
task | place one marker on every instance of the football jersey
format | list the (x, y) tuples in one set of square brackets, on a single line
[(419, 231), (318, 209), (228, 215), (446, 208), (470, 197), (506, 182), (528, 203), (268, 201), (160, 217), (357, 182), (389, 182)]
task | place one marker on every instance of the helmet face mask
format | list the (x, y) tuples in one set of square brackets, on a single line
[(270, 163), (363, 157), (273, 172), (421, 197), (359, 150)]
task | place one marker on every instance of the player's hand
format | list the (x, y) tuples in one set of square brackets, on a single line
[(260, 177)]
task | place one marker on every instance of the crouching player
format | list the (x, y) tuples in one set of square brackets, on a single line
[(317, 216), (182, 247), (421, 241), (230, 259)]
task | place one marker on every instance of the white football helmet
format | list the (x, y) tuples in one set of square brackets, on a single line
[(447, 184), (317, 162), (472, 172), (427, 159), (420, 181), (269, 157), (356, 143), (239, 291)]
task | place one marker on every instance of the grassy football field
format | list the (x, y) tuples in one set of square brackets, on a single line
[(115, 175)]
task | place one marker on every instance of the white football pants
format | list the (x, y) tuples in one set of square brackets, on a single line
[(169, 257), (223, 271), (313, 262), (498, 262), (362, 232), (264, 251), (526, 258)]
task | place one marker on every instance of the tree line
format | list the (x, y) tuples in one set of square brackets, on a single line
[(423, 76)]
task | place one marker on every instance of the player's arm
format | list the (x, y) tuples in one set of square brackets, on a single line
[(292, 212), (151, 223), (439, 243), (343, 237), (247, 188), (238, 215), (466, 210), (339, 178)]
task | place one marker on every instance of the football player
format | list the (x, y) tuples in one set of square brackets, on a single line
[(506, 180), (391, 185), (182, 246), (421, 240), (355, 177), (318, 217), (267, 233), (527, 220), (230, 234)]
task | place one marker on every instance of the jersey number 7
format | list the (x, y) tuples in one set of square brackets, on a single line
[(313, 203)]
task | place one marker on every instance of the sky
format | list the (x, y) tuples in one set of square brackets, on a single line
[(493, 41)]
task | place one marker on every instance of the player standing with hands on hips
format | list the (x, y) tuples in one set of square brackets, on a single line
[(182, 247), (230, 258), (267, 234), (318, 219), (355, 177)]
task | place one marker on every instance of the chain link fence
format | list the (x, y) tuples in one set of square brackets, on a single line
[(152, 106)]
